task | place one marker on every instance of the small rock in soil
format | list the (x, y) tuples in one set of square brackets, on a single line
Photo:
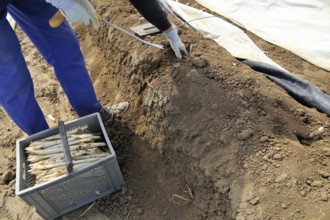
[(281, 178), (254, 201), (122, 201), (125, 210), (264, 139), (326, 151), (277, 148), (140, 211), (214, 106), (277, 157), (199, 62), (317, 183), (316, 135), (7, 176), (324, 174), (247, 133), (324, 196), (124, 190), (176, 65), (300, 112)]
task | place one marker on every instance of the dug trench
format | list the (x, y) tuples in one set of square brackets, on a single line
[(213, 137), (205, 137)]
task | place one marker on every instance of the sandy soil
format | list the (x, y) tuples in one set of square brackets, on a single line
[(205, 137)]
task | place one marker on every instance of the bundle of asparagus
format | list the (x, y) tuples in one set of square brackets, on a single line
[(46, 156)]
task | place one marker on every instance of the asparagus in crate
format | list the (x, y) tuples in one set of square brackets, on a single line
[(46, 157)]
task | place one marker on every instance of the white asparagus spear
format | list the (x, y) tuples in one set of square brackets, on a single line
[(59, 149), (55, 169), (44, 144), (37, 172), (45, 167), (73, 154), (43, 180), (58, 171), (58, 143), (70, 142), (37, 158), (46, 162), (47, 175), (91, 156), (33, 158), (76, 155), (61, 159), (61, 169), (96, 150), (79, 130)]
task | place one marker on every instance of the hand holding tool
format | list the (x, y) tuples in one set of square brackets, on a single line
[(80, 12), (58, 18)]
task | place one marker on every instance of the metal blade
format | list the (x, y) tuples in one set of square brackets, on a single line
[(159, 46)]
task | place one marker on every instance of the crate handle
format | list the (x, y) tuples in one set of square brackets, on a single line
[(65, 145)]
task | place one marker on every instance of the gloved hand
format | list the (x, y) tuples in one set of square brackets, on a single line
[(176, 43), (77, 11)]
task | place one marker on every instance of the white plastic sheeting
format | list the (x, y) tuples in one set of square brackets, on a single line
[(301, 26), (239, 45), (233, 39)]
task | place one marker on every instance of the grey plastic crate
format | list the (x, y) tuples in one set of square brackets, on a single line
[(55, 198)]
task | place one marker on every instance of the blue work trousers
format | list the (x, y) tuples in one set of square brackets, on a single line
[(59, 47)]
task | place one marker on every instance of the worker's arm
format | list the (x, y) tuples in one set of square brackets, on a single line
[(77, 11), (152, 11)]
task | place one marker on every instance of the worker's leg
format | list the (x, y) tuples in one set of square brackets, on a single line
[(60, 47), (16, 88)]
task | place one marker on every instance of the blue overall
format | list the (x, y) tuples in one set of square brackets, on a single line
[(59, 47)]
